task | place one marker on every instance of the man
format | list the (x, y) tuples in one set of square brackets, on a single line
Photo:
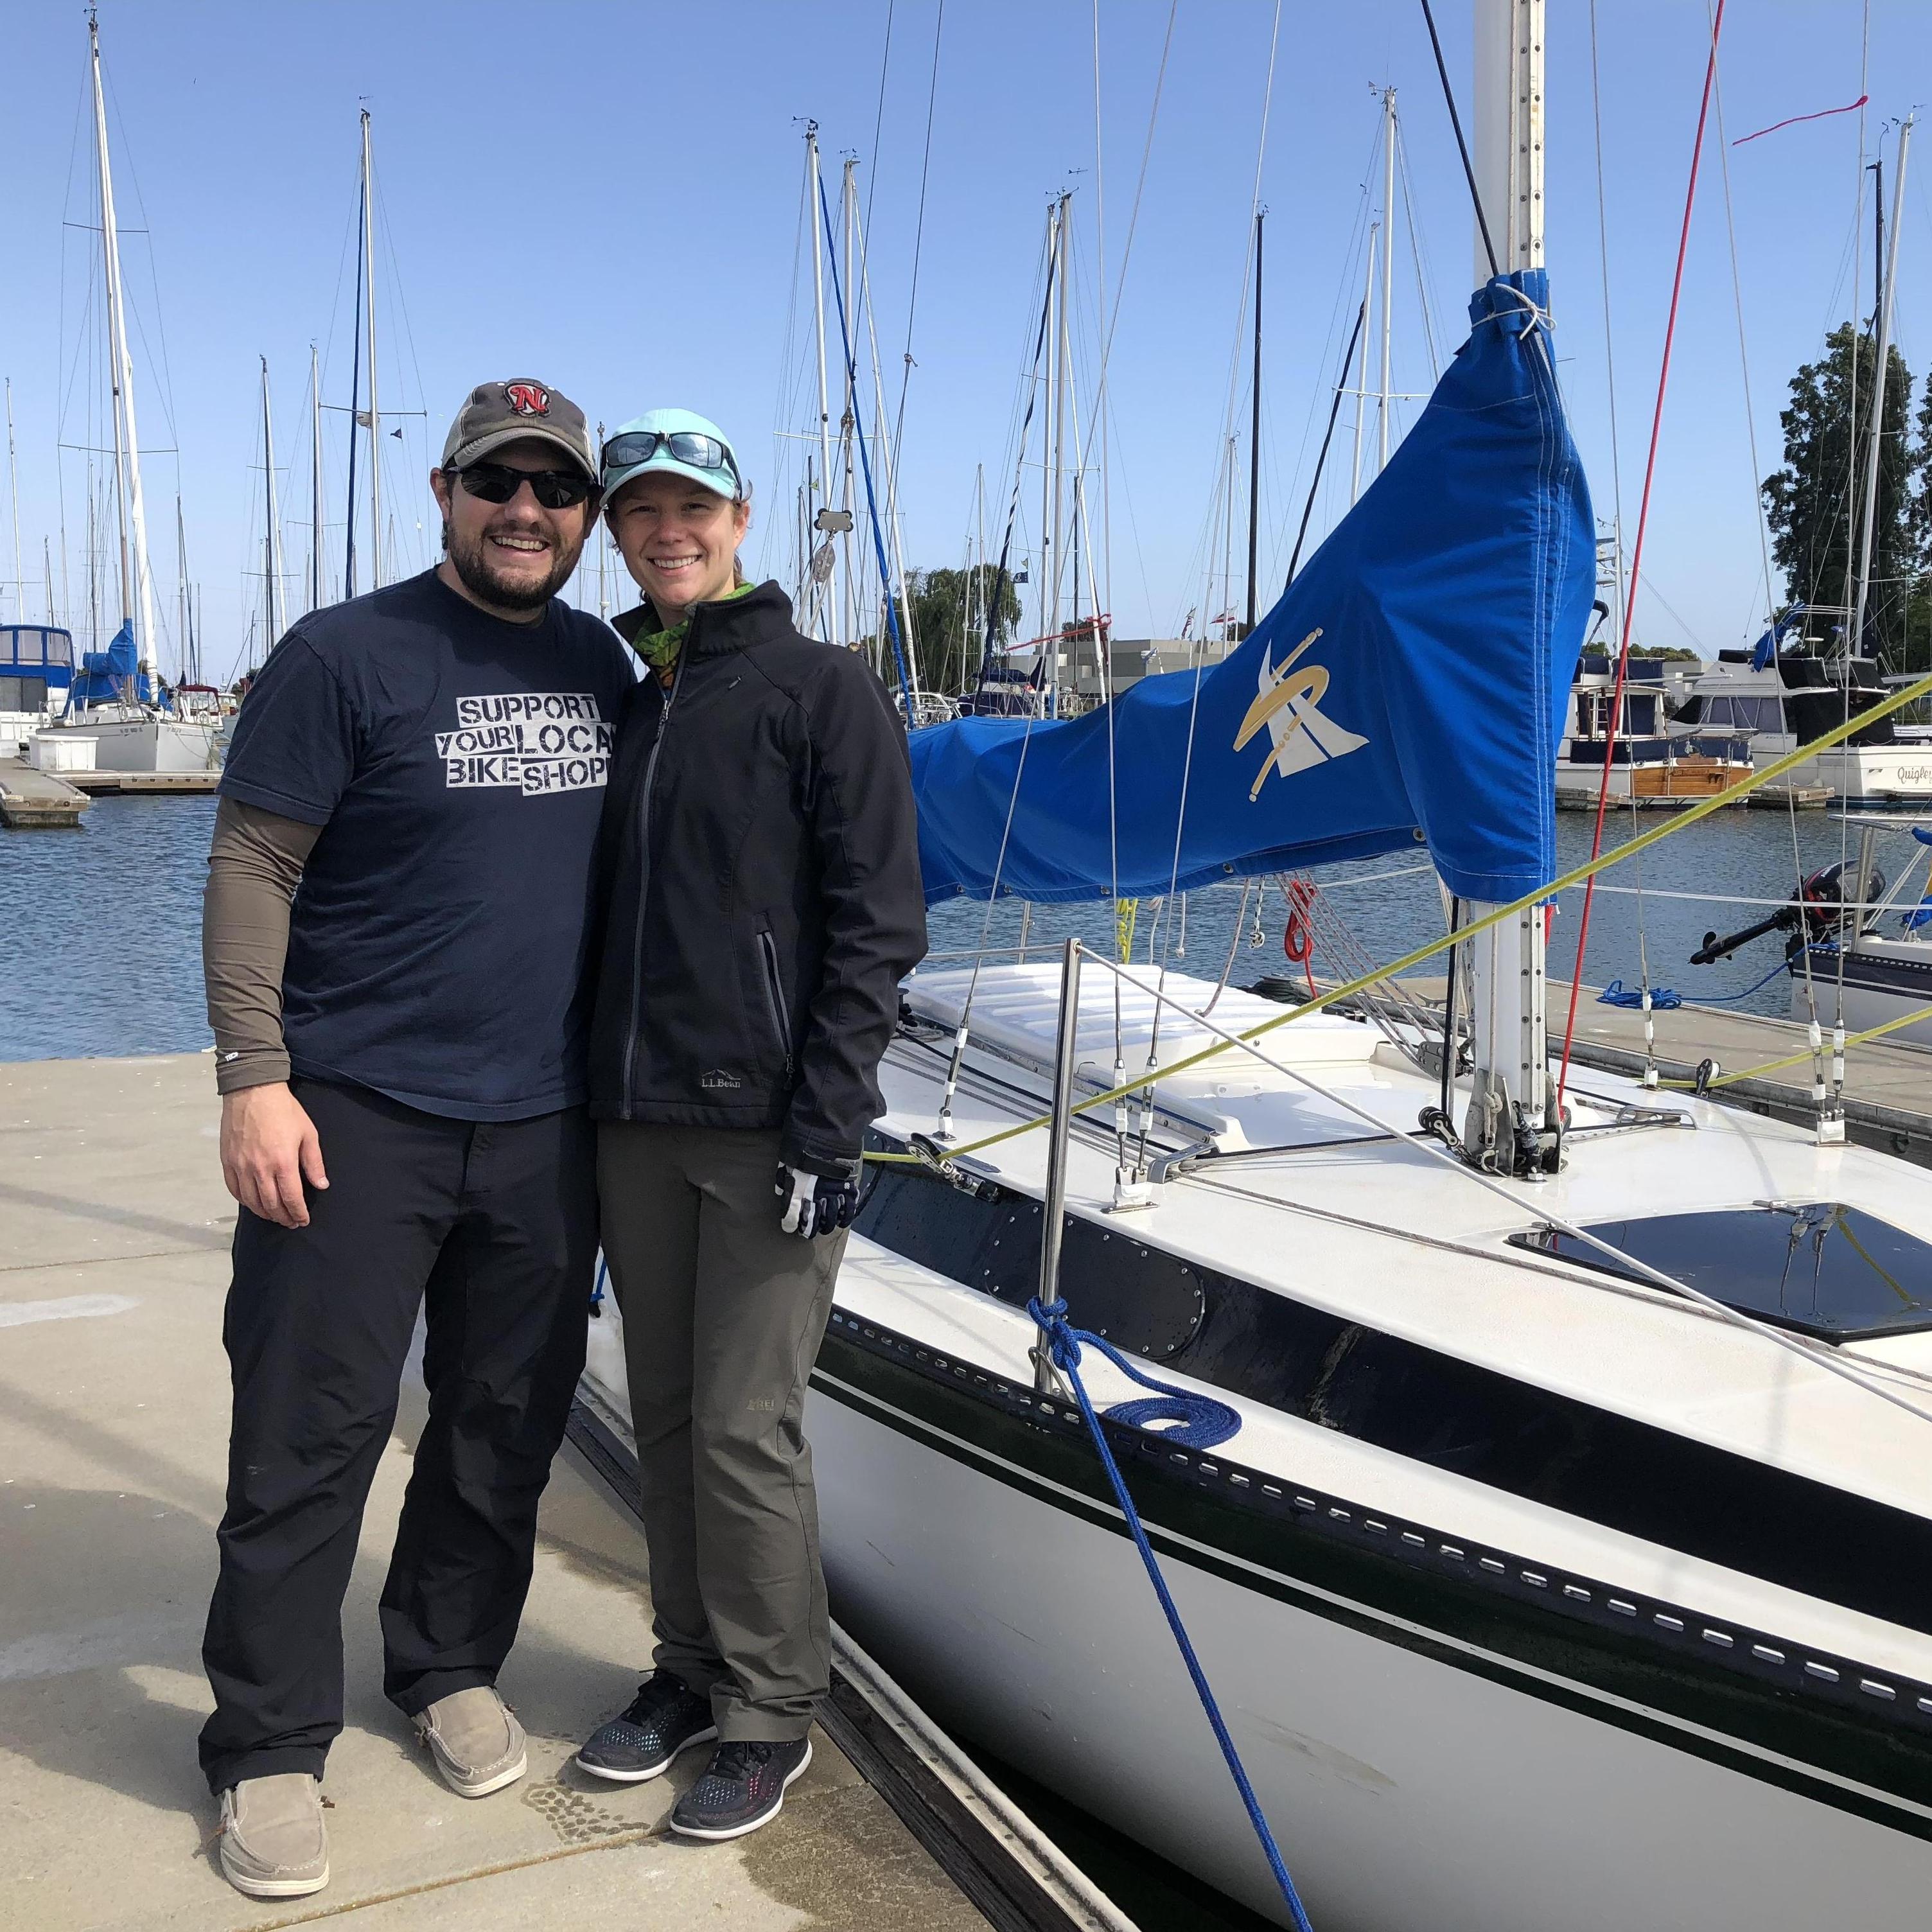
[(400, 1057), (764, 900)]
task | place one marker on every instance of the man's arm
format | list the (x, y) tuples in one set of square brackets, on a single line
[(866, 829), (268, 1143)]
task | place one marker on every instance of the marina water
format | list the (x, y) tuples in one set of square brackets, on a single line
[(102, 924)]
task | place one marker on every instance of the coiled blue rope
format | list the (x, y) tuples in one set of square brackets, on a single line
[(1063, 1347), (1664, 1000)]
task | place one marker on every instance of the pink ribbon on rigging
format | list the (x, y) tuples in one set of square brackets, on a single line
[(1823, 114)]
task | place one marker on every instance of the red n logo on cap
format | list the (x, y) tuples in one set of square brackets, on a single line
[(527, 399)]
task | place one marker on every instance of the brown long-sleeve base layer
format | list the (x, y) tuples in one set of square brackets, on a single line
[(254, 865)]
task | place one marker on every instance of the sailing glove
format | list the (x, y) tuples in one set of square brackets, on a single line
[(815, 1204)]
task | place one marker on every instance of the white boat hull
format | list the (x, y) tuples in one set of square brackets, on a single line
[(146, 744), (1405, 1791), (1886, 775), (1864, 1008)]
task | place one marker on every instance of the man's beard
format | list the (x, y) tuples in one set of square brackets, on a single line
[(474, 565)]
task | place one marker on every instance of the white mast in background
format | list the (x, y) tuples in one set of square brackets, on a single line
[(1388, 267), (1509, 1087), (137, 596), (375, 414), (271, 541), (822, 520), (314, 481), (14, 498)]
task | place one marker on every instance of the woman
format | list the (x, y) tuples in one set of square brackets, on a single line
[(762, 881)]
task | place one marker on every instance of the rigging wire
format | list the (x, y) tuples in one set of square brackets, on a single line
[(1617, 504), (919, 228), (1200, 649), (1764, 549), (1642, 524), (879, 115), (1462, 146)]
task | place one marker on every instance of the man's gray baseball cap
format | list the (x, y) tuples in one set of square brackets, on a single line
[(519, 411)]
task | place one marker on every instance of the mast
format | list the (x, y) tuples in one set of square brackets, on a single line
[(821, 521), (1875, 441), (354, 408), (272, 536), (882, 437), (1064, 353), (1362, 368), (1254, 427), (1508, 1127), (1388, 266), (190, 671), (137, 596), (369, 333), (848, 419), (14, 498), (314, 481)]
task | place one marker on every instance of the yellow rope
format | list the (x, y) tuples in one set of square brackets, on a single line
[(1793, 1059), (1668, 828)]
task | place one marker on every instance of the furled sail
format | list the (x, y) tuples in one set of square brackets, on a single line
[(1410, 686)]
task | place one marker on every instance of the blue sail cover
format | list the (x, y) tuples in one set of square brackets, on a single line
[(107, 675), (1410, 686)]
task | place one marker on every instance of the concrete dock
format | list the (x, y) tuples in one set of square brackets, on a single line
[(114, 1233), (30, 799)]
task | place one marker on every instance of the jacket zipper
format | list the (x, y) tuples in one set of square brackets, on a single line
[(644, 891), (775, 999)]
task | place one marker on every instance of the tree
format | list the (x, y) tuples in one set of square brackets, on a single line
[(1810, 501), (943, 603)]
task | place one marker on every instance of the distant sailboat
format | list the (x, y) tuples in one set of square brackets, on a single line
[(117, 698)]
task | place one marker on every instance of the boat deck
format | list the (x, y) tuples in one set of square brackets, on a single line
[(114, 1233), (1888, 1088)]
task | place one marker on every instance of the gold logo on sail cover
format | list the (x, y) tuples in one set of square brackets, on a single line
[(1288, 702)]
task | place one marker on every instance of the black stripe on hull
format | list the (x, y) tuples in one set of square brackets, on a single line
[(1421, 1403), (1908, 980), (1634, 1661)]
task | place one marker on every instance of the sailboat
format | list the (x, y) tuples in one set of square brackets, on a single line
[(1557, 1560), (116, 703)]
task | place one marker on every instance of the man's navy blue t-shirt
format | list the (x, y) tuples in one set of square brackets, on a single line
[(456, 763)]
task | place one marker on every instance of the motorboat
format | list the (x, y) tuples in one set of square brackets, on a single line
[(1651, 767), (1793, 687), (1858, 951)]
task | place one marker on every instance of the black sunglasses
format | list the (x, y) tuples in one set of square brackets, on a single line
[(498, 483), (701, 452)]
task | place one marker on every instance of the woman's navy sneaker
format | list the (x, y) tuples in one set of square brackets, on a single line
[(666, 1717), (743, 1787)]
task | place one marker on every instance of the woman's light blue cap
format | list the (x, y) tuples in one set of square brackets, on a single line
[(667, 422)]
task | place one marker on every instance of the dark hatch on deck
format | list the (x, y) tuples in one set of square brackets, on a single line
[(1820, 1267)]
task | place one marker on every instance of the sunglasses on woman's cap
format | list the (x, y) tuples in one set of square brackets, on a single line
[(683, 446), (498, 483)]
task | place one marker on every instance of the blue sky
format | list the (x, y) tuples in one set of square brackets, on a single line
[(608, 196)]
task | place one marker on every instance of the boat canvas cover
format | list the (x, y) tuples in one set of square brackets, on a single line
[(114, 674), (1410, 685)]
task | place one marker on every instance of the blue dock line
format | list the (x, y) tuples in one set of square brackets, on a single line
[(1207, 1422), (1664, 1000)]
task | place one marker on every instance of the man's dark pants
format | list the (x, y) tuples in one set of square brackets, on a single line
[(491, 1227)]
